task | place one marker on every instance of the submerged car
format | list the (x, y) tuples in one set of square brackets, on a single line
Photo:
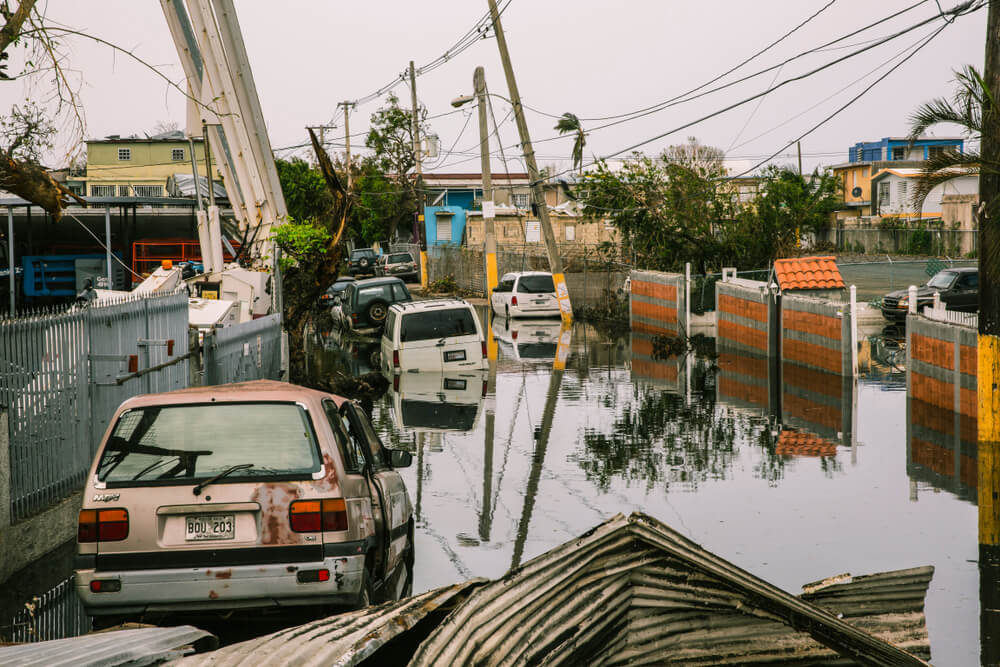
[(522, 340), (439, 335), (438, 402), (525, 294), (958, 288), (365, 304), (241, 496)]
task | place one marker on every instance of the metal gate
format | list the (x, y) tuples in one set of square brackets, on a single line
[(244, 352)]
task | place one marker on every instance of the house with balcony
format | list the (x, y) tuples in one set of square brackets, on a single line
[(866, 159)]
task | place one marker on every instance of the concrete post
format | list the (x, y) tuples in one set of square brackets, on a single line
[(11, 280), (912, 293), (107, 244), (854, 330), (687, 300)]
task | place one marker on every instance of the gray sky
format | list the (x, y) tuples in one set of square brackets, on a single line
[(591, 57)]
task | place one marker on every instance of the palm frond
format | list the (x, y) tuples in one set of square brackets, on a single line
[(940, 110)]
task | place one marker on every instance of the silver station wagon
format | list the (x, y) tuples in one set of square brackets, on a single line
[(252, 495)]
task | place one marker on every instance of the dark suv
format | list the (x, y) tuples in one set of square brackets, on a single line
[(959, 290), (362, 262), (365, 303)]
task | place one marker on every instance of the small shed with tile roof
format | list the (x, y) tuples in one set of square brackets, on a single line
[(811, 276)]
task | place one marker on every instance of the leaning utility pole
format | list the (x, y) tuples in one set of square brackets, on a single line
[(347, 139), (988, 372), (537, 194), (488, 208), (415, 131)]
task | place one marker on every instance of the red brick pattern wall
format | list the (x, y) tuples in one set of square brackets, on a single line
[(968, 360), (829, 416), (743, 334), (940, 353), (752, 310), (655, 290), (665, 314), (811, 323), (814, 355)]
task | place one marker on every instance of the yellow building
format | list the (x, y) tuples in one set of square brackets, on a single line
[(139, 167)]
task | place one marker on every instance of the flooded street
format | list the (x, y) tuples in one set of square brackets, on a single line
[(621, 432)]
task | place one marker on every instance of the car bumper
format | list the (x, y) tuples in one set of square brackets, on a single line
[(520, 311), (244, 586), (895, 314)]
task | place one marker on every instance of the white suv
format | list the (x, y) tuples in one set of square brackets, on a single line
[(439, 335), (525, 294)]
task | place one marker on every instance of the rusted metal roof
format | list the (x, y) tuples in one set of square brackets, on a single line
[(140, 646), (345, 639), (808, 273)]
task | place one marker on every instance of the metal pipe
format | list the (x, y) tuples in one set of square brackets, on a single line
[(10, 257), (208, 164), (107, 244)]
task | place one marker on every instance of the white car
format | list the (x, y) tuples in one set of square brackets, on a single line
[(523, 340), (439, 335), (525, 294), (437, 402)]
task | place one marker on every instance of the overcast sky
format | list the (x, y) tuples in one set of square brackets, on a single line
[(594, 58)]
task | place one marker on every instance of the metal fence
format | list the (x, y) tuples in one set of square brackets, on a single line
[(55, 614), (63, 374), (244, 352)]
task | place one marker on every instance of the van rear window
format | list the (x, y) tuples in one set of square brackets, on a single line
[(433, 324), (167, 444), (535, 284)]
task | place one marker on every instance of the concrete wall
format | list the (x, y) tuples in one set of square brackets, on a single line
[(747, 379), (656, 302), (511, 228), (746, 317), (941, 364), (667, 373)]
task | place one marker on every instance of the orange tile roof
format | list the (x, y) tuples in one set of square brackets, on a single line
[(800, 443), (808, 273)]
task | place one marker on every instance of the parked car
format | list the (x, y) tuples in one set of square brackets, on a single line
[(327, 298), (438, 402), (440, 335), (361, 262), (524, 340), (399, 264), (525, 294), (251, 495), (959, 290), (364, 304)]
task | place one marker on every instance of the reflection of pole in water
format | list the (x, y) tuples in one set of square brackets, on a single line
[(538, 458), (420, 471), (491, 388)]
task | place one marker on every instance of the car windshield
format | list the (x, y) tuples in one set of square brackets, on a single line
[(536, 284), (399, 259), (434, 324), (195, 442), (944, 279), (357, 254)]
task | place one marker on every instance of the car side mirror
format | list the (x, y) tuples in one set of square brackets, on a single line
[(400, 459)]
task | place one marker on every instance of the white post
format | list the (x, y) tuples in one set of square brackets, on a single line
[(10, 257), (912, 292), (687, 300), (937, 301), (107, 243), (854, 330)]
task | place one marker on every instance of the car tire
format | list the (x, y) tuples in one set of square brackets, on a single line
[(363, 263), (366, 596), (377, 310)]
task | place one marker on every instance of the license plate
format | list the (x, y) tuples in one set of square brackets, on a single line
[(210, 527), (454, 384), (541, 301), (454, 355)]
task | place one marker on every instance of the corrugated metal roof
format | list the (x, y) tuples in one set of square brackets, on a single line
[(140, 646), (341, 640)]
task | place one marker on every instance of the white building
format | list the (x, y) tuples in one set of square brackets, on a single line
[(893, 189)]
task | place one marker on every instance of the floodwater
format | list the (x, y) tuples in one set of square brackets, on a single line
[(683, 441), (573, 426)]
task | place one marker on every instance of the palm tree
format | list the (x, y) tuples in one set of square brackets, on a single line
[(570, 123), (966, 109)]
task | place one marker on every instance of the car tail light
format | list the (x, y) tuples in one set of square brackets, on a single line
[(483, 343), (513, 335), (354, 317), (486, 386), (395, 358), (513, 300), (312, 516), (395, 383), (312, 576), (109, 525), (105, 585)]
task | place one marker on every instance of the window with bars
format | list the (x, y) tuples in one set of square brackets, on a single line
[(149, 191), (521, 200), (102, 191), (938, 151), (124, 153), (177, 154), (123, 191), (899, 153), (883, 194)]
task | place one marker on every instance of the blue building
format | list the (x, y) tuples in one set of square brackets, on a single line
[(449, 197), (890, 149)]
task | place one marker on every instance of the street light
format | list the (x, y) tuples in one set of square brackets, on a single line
[(462, 99)]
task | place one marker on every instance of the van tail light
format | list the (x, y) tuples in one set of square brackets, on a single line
[(312, 516), (354, 317), (395, 383), (486, 386), (110, 525), (395, 358), (513, 300), (484, 349), (513, 334), (105, 585)]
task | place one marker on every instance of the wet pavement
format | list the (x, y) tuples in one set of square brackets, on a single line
[(510, 464)]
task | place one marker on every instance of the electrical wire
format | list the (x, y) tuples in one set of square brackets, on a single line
[(101, 243)]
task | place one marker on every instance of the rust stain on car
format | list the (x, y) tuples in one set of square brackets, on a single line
[(212, 595), (329, 481), (223, 574), (274, 499)]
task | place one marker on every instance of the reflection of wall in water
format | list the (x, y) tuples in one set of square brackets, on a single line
[(941, 406)]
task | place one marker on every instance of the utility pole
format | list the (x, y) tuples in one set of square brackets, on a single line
[(415, 131), (798, 145), (488, 208), (347, 138), (798, 232), (988, 372), (537, 194)]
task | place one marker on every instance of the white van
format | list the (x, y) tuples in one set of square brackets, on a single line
[(440, 335), (438, 402), (525, 294)]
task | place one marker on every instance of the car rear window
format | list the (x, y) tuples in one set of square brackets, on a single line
[(167, 444), (535, 284), (399, 259), (432, 324), (384, 292), (434, 414)]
